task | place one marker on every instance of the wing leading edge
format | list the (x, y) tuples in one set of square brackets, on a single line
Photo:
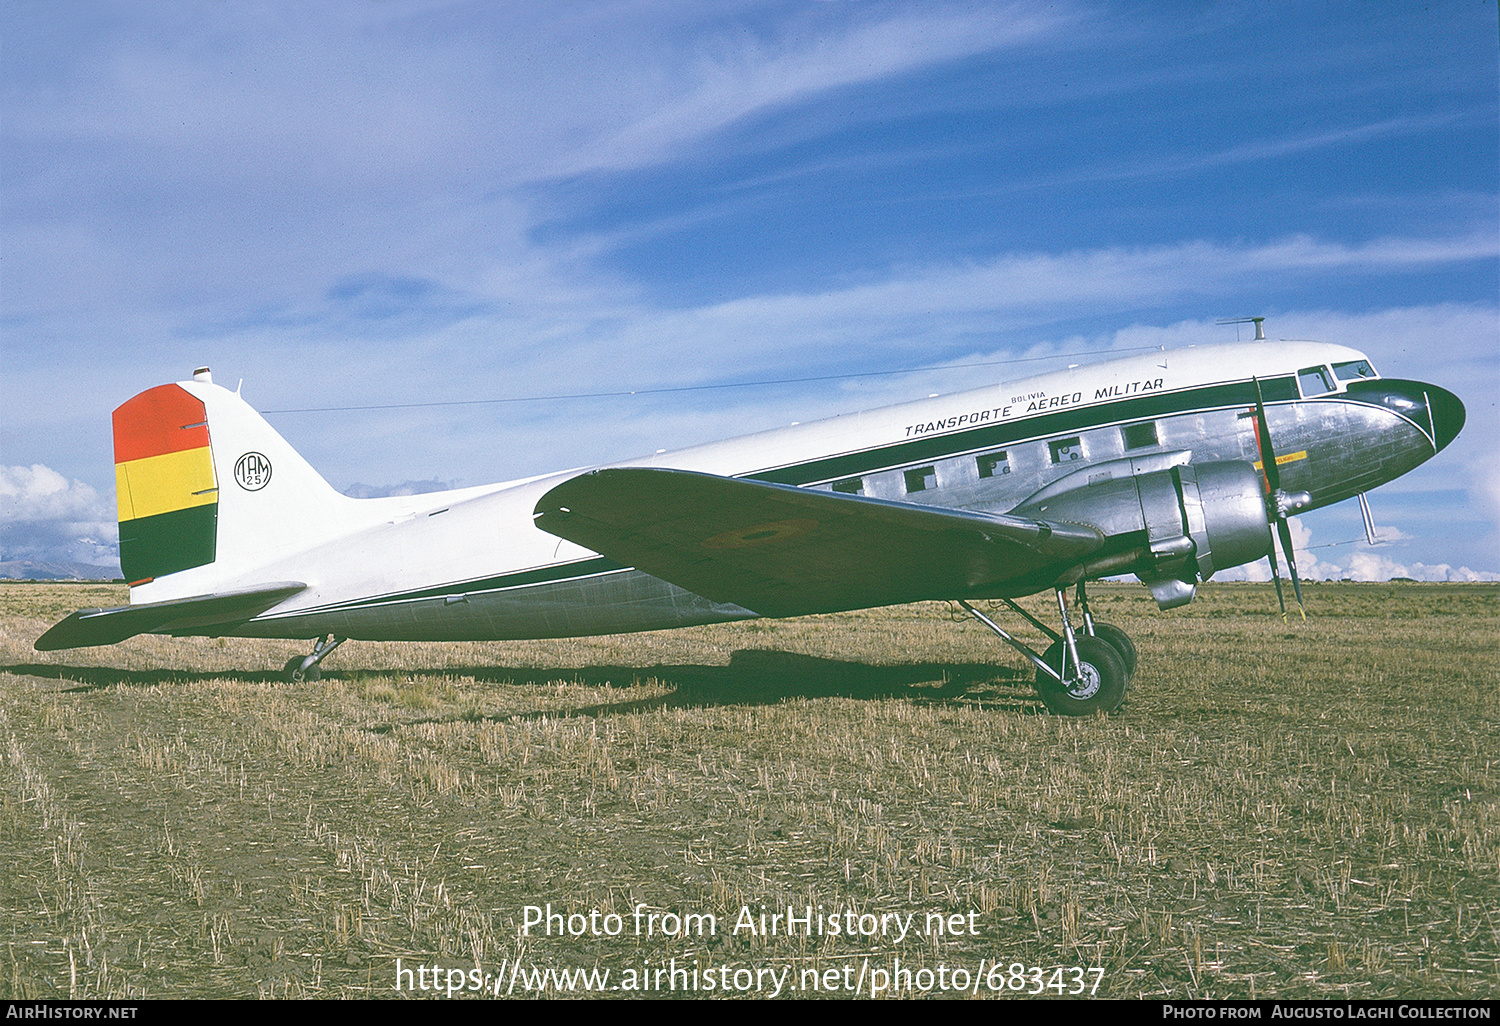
[(786, 551)]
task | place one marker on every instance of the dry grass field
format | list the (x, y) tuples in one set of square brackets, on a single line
[(1302, 811)]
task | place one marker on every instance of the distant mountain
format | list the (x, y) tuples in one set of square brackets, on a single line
[(56, 570)]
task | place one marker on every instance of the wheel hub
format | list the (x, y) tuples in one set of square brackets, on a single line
[(1086, 684)]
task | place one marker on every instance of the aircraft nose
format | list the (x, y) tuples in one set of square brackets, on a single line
[(1447, 415), (1428, 406)]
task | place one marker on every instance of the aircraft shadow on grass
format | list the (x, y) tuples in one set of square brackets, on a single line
[(753, 677)]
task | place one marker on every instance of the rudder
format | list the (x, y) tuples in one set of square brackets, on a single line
[(165, 486)]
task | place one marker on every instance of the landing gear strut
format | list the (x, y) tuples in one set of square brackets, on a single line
[(1083, 672), (1109, 634), (305, 668)]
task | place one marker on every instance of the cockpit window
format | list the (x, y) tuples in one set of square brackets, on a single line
[(1314, 380), (1354, 369)]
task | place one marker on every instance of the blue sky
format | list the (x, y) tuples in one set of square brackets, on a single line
[(359, 204)]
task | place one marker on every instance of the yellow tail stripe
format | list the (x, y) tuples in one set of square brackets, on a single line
[(162, 484)]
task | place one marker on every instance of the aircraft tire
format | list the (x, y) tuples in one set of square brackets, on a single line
[(1101, 687), (1121, 643), (289, 671)]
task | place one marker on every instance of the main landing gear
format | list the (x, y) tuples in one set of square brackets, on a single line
[(1084, 671), (305, 668)]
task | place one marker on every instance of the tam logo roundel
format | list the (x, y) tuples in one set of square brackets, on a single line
[(252, 472)]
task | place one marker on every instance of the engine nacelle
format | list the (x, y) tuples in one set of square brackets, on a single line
[(1168, 524)]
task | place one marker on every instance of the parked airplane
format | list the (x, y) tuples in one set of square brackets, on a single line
[(1161, 465)]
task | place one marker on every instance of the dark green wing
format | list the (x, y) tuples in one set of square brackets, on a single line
[(785, 551)]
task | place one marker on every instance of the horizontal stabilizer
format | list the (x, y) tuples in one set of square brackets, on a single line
[(785, 551), (107, 626)]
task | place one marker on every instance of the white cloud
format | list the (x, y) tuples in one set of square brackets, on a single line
[(47, 517), (739, 76), (1489, 485), (1372, 566), (275, 150), (939, 307), (1314, 562)]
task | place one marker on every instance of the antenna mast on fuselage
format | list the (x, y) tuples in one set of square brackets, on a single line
[(1259, 322)]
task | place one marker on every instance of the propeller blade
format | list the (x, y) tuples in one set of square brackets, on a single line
[(1276, 579), (1268, 468), (1271, 474), (1284, 529)]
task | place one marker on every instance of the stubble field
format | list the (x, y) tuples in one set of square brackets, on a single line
[(1278, 811)]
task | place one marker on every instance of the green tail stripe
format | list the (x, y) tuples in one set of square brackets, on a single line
[(168, 542)]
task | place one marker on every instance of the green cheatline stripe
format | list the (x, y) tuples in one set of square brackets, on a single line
[(940, 445), (936, 446), (168, 542)]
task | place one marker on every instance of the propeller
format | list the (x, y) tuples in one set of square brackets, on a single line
[(1279, 505)]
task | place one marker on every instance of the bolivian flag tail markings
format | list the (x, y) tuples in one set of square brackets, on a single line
[(164, 478)]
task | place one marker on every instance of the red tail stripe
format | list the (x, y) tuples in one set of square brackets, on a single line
[(158, 421)]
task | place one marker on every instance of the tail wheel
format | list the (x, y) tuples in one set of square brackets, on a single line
[(1095, 685), (1121, 643)]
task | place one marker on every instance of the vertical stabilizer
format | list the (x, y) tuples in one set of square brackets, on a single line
[(209, 493)]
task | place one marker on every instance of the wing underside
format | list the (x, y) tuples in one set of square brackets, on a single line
[(785, 551)]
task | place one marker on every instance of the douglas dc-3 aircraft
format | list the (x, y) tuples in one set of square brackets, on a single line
[(1162, 466)]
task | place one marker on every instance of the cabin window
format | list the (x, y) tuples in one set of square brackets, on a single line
[(1066, 450), (993, 464), (921, 479), (1314, 380), (850, 486), (1353, 370), (1140, 436)]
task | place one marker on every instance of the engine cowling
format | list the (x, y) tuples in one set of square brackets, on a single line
[(1169, 525), (1229, 525)]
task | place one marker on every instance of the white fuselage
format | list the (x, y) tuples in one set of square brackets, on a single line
[(470, 563)]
